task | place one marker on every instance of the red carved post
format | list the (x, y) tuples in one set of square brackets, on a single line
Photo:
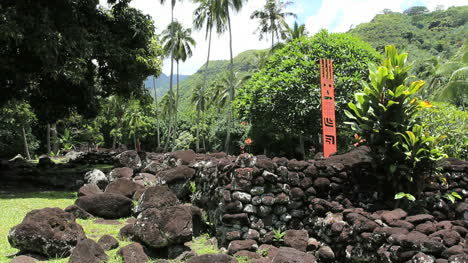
[(328, 107)]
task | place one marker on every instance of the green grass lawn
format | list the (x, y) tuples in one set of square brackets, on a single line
[(13, 208)]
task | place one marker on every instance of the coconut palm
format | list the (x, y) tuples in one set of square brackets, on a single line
[(221, 89), (171, 81), (156, 111), (272, 19), (225, 7), (453, 79), (297, 31), (209, 15), (199, 100), (181, 44)]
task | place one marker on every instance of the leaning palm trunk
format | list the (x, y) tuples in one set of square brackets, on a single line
[(25, 142), (231, 89)]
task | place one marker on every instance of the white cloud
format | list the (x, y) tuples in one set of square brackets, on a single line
[(341, 15), (243, 31)]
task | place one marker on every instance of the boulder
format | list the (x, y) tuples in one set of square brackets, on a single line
[(129, 159), (297, 239), (154, 167), (325, 254), (126, 232), (124, 187), (390, 216), (247, 254), (96, 177), (461, 258), (123, 172), (106, 205), (291, 255), (177, 179), (156, 197), (159, 228), (78, 212), (177, 158), (146, 179), (89, 189), (49, 231), (422, 258), (88, 251), (238, 245), (108, 242), (73, 155), (23, 259), (133, 253), (212, 258)]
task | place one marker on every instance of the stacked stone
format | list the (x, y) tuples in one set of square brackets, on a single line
[(95, 157), (249, 197)]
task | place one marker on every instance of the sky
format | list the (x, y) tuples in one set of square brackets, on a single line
[(333, 15)]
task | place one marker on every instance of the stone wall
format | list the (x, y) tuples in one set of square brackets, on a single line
[(335, 200)]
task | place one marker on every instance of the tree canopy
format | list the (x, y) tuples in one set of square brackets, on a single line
[(283, 99), (62, 56)]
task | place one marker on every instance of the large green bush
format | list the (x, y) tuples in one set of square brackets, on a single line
[(446, 119), (384, 114), (282, 101)]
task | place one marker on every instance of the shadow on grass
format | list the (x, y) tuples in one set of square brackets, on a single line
[(41, 195)]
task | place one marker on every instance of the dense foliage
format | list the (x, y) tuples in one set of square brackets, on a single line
[(431, 39), (445, 119), (384, 116), (70, 53), (283, 102)]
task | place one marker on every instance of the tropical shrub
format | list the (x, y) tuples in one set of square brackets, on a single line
[(384, 115), (282, 102), (446, 119)]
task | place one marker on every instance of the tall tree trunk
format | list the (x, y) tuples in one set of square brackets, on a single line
[(171, 85), (156, 111), (48, 138), (198, 129), (25, 142), (204, 83), (177, 95), (231, 87), (55, 143), (114, 141), (272, 39)]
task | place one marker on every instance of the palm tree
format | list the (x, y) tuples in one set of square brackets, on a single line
[(135, 120), (117, 106), (156, 111), (450, 80), (207, 14), (167, 107), (171, 84), (224, 7), (199, 100), (221, 89), (297, 31), (272, 19), (182, 44)]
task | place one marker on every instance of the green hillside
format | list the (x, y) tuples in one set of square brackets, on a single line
[(422, 34), (243, 63)]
